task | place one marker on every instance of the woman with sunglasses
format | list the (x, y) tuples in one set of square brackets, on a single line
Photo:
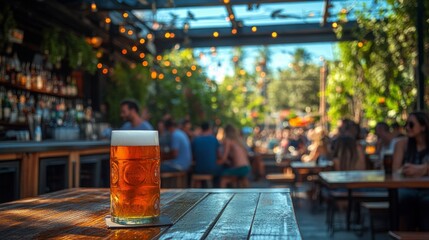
[(411, 158)]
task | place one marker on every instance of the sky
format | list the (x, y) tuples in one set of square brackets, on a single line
[(220, 65)]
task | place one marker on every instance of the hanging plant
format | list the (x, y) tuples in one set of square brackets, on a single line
[(58, 45), (7, 21), (54, 46)]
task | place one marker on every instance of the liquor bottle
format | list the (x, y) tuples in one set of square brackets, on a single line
[(74, 87), (8, 70), (33, 77), (20, 77), (15, 67), (39, 78), (2, 93), (7, 107), (21, 108), (2, 69)]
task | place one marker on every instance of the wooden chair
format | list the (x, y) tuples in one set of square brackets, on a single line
[(377, 210), (174, 179), (335, 198), (234, 182), (197, 180)]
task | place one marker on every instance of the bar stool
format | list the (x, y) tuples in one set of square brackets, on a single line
[(197, 180), (174, 179)]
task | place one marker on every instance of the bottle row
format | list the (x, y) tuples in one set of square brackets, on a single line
[(16, 106), (36, 77)]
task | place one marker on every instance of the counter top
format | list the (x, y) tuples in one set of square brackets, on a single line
[(49, 145)]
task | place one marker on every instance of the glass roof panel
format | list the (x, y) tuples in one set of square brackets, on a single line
[(252, 15)]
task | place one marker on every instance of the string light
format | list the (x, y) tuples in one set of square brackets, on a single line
[(122, 29), (172, 35), (134, 48), (125, 15), (124, 51), (231, 16), (242, 72), (108, 20), (93, 7), (142, 55), (254, 29), (145, 63), (226, 1), (193, 67), (99, 54), (174, 71), (215, 34), (234, 31), (130, 32), (188, 74), (334, 25), (99, 65), (360, 44), (263, 74), (344, 11), (177, 79), (274, 34), (167, 63), (105, 71), (161, 76), (159, 57), (149, 36), (153, 75), (142, 41)]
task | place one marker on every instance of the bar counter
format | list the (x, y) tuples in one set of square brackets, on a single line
[(49, 145), (32, 160)]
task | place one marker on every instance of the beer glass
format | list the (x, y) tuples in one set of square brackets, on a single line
[(134, 176)]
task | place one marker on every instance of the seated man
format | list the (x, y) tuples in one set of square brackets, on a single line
[(205, 150), (180, 156), (130, 114)]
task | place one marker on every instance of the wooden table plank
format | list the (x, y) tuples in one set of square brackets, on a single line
[(275, 218), (236, 220), (196, 214), (199, 220)]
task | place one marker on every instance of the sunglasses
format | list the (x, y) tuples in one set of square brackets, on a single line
[(410, 125)]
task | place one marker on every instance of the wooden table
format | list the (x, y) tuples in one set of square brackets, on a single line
[(374, 179), (195, 213), (306, 168)]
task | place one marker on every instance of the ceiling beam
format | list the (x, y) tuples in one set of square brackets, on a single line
[(110, 5), (290, 33), (326, 8)]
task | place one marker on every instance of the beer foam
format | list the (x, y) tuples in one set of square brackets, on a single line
[(134, 138)]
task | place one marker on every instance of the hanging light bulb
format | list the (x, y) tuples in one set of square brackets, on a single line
[(93, 7)]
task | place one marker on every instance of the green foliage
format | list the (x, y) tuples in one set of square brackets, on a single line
[(125, 83), (374, 78), (177, 93), (242, 95), (297, 87), (59, 46)]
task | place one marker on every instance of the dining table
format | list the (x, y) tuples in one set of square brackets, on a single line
[(79, 213), (352, 180)]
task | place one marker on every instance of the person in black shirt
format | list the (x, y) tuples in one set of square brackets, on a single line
[(411, 158)]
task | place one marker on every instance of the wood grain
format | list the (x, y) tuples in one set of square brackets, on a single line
[(237, 218), (196, 214), (200, 219), (275, 218)]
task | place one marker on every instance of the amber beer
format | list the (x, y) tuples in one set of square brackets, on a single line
[(134, 176)]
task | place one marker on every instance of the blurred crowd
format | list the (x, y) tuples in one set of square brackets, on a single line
[(227, 151)]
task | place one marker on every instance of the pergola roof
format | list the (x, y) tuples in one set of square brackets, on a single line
[(182, 19)]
